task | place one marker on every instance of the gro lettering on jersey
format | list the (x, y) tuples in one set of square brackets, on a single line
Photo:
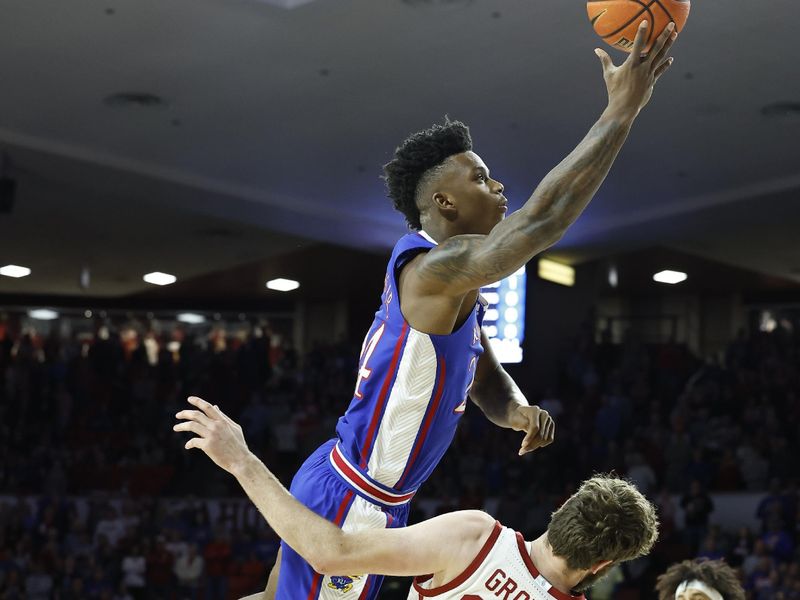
[(503, 569), (409, 394)]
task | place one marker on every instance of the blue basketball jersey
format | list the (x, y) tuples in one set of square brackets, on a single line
[(410, 393)]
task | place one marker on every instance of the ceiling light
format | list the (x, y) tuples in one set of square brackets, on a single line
[(556, 272), (668, 276), (613, 276), (283, 285), (43, 314), (158, 278), (191, 318), (14, 271)]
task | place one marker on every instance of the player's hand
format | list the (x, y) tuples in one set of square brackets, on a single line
[(217, 434), (630, 85), (538, 425)]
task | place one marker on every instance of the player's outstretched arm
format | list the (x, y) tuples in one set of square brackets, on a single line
[(466, 262), (437, 545), (504, 404)]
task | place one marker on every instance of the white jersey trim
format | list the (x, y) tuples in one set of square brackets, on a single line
[(411, 394)]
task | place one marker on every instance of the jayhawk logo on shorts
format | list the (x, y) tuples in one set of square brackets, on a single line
[(343, 583)]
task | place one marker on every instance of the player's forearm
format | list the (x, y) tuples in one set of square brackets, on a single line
[(314, 538), (497, 395), (565, 191)]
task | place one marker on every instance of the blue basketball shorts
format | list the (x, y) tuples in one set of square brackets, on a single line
[(330, 486)]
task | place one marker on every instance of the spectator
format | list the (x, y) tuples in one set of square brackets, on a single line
[(134, 569), (697, 507), (217, 555), (159, 569), (38, 583), (188, 569), (778, 541), (771, 506), (641, 474), (742, 547)]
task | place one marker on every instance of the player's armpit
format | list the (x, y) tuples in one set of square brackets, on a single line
[(446, 543)]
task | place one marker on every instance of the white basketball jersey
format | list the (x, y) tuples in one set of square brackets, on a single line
[(502, 569)]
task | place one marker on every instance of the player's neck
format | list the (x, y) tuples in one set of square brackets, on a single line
[(436, 233), (440, 229), (552, 567)]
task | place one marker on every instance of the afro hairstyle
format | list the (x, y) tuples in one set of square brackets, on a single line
[(418, 155)]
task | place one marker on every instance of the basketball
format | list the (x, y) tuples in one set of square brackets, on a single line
[(616, 21)]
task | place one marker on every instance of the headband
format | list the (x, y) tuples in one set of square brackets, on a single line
[(698, 585)]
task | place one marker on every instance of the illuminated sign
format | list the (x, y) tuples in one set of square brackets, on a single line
[(556, 272), (504, 321)]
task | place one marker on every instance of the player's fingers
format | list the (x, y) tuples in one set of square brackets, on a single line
[(660, 42), (192, 426), (639, 40), (658, 56), (529, 443), (663, 67), (544, 417), (196, 443), (226, 418), (194, 415), (605, 59), (525, 446), (551, 432), (202, 405)]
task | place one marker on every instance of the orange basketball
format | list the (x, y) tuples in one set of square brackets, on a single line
[(616, 21)]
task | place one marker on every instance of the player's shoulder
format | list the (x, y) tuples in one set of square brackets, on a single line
[(472, 534), (476, 525), (466, 523)]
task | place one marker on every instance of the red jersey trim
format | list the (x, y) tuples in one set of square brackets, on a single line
[(466, 574), (526, 558), (358, 481), (379, 405)]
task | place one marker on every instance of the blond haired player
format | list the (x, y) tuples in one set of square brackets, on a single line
[(465, 553)]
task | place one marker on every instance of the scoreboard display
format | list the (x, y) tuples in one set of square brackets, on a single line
[(504, 322)]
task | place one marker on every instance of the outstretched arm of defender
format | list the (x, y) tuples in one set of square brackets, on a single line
[(441, 544), (467, 262)]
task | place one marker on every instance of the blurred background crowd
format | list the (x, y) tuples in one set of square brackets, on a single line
[(99, 500)]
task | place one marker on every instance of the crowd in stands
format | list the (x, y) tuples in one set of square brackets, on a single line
[(99, 500)]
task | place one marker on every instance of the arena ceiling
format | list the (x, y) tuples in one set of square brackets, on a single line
[(197, 137)]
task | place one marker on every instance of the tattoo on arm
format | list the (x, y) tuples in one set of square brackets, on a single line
[(467, 262)]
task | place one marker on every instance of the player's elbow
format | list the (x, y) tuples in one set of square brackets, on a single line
[(324, 562), (331, 564), (324, 565), (553, 228), (334, 559)]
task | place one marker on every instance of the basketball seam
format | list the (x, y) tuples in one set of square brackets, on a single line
[(631, 20), (645, 9), (664, 8)]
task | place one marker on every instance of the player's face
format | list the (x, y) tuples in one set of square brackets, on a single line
[(478, 199)]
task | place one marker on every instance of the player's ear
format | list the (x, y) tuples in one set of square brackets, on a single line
[(599, 566), (445, 205)]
